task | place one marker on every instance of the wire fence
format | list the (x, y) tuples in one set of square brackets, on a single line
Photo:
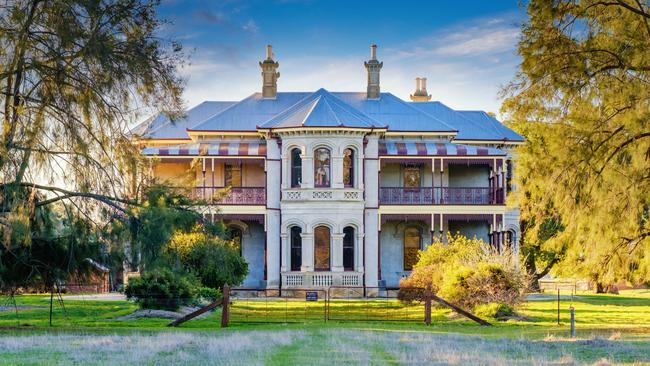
[(267, 306), (347, 303)]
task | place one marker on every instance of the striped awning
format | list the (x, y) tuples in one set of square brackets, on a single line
[(209, 149), (435, 149)]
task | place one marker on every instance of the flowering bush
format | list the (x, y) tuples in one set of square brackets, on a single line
[(466, 272)]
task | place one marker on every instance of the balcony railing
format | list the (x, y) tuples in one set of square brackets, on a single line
[(235, 196), (321, 279), (440, 196)]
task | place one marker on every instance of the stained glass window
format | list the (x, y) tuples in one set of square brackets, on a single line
[(322, 167), (322, 248), (348, 167), (412, 241)]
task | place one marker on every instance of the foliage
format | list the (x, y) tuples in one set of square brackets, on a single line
[(73, 74), (208, 294), (52, 250), (467, 272), (582, 100), (162, 289), (539, 253), (215, 261), (494, 310)]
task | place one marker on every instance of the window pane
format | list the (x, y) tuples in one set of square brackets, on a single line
[(412, 176), (412, 241), (348, 248), (322, 167), (296, 248), (348, 167), (322, 248), (296, 168), (235, 236), (233, 175)]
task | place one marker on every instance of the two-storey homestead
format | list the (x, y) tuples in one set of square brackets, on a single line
[(340, 188)]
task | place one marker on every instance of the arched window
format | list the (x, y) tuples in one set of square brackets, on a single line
[(322, 165), (296, 168), (235, 236), (510, 239), (412, 240), (348, 167), (322, 240), (296, 248), (348, 248)]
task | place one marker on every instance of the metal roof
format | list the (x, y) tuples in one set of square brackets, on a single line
[(329, 109), (250, 112), (471, 125), (161, 127), (322, 109), (397, 114)]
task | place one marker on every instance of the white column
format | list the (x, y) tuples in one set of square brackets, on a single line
[(286, 257), (337, 252), (358, 253), (272, 248), (307, 252), (307, 171), (371, 225), (337, 172)]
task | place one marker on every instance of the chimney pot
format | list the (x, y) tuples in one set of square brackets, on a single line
[(269, 52), (420, 94), (373, 52)]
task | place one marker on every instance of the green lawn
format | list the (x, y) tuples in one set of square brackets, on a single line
[(295, 332)]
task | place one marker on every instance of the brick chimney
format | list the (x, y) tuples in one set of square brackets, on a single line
[(420, 94), (374, 67), (269, 75)]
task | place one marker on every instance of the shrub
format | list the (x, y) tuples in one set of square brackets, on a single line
[(215, 261), (466, 272), (208, 295), (493, 310), (162, 289)]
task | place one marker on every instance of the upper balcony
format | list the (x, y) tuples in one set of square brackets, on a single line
[(440, 174), (440, 196), (231, 196)]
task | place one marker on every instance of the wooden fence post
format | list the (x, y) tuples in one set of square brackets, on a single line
[(225, 307), (427, 305)]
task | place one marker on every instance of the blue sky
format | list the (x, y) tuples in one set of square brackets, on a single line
[(467, 50)]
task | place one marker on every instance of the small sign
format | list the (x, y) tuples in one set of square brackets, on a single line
[(311, 296)]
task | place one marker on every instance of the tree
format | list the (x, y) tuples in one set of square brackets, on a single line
[(215, 261), (582, 99), (73, 75)]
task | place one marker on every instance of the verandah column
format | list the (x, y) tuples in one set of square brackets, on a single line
[(307, 252), (337, 252)]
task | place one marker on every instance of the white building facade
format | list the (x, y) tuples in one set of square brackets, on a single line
[(340, 189)]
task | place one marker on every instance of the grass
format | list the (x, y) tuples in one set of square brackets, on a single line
[(263, 333)]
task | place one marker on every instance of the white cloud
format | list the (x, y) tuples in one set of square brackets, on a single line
[(465, 66)]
